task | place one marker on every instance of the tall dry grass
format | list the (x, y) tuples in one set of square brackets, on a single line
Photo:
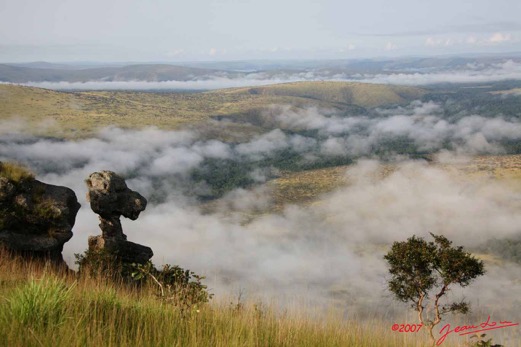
[(41, 306)]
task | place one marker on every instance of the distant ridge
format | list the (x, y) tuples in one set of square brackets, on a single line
[(145, 72)]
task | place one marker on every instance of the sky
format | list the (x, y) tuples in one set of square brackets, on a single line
[(223, 30)]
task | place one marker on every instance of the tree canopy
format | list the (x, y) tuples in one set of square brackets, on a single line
[(423, 272)]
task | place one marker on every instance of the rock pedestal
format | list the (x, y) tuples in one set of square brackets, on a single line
[(110, 198), (127, 252)]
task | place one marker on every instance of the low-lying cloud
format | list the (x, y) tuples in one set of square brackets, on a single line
[(202, 83), (470, 73), (508, 70), (329, 252), (206, 84), (423, 123)]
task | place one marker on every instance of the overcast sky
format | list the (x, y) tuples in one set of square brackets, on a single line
[(173, 30)]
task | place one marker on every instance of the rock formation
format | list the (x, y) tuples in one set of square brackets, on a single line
[(36, 219), (110, 198)]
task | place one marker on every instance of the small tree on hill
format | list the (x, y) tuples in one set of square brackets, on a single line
[(423, 272)]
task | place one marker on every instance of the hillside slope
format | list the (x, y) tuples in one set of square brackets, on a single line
[(348, 93), (80, 114)]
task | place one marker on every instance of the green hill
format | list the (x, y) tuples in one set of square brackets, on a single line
[(343, 93), (80, 114)]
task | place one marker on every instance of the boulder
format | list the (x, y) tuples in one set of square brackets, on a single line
[(36, 218)]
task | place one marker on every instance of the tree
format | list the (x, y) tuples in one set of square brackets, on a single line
[(423, 272)]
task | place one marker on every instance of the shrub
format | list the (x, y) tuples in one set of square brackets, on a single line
[(173, 284), (182, 288), (15, 172)]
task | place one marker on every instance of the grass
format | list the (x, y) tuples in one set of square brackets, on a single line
[(42, 307), (306, 186), (346, 93), (81, 114), (15, 172), (37, 303)]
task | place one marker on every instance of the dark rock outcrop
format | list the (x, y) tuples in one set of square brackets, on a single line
[(36, 219), (110, 198)]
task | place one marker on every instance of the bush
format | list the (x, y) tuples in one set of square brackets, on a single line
[(173, 284), (182, 288)]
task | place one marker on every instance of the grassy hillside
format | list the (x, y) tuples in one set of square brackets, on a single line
[(80, 114), (41, 307), (347, 93)]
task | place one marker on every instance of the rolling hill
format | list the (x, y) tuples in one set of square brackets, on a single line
[(80, 114), (346, 93)]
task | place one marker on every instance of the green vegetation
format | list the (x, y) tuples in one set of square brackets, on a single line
[(38, 303), (15, 173), (507, 249), (16, 176), (460, 101), (423, 272), (44, 209), (174, 285), (222, 176), (346, 93), (306, 186), (39, 206), (81, 114), (42, 307), (481, 342)]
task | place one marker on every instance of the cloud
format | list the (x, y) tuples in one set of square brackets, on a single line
[(436, 42), (330, 252), (265, 143), (176, 52), (469, 73), (202, 84), (390, 46), (508, 70), (349, 47), (333, 251), (423, 123), (499, 38), (472, 40)]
